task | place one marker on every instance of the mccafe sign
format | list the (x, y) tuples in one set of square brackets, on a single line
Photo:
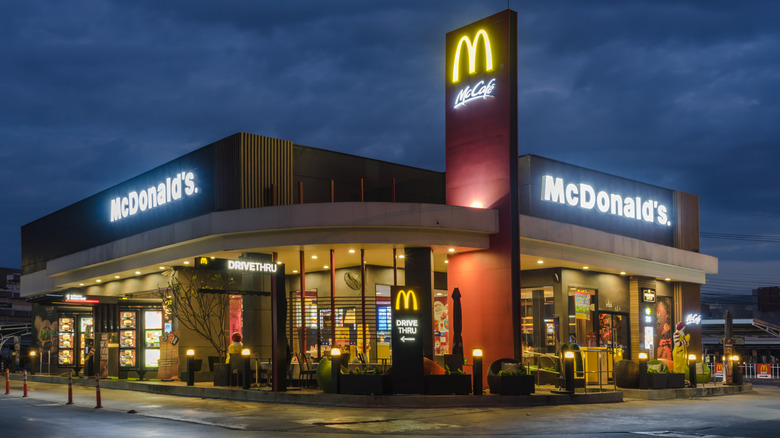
[(476, 47)]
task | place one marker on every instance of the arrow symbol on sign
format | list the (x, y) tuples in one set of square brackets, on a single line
[(404, 339)]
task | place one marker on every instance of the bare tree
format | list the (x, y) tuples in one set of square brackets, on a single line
[(187, 298)]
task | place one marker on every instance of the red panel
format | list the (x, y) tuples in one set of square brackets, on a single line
[(482, 170)]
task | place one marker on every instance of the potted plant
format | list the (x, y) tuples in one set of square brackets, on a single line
[(448, 383), (361, 380), (656, 379), (511, 382)]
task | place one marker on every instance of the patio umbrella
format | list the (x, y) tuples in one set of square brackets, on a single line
[(457, 324)]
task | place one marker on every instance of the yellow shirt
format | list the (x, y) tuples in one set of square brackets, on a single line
[(234, 348)]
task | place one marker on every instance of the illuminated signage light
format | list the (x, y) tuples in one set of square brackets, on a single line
[(693, 318), (585, 196), (479, 91), (483, 88), (251, 266), (172, 189), (408, 296), (472, 51)]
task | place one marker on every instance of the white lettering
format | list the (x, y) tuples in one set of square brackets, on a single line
[(480, 90), (585, 196), (251, 266), (171, 189)]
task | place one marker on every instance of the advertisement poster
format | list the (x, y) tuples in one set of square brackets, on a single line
[(168, 363), (441, 325), (764, 371), (718, 370), (582, 305)]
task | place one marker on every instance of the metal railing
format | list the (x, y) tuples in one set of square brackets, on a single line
[(769, 371), (598, 366)]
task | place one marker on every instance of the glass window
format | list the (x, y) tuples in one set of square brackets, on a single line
[(538, 326), (582, 314)]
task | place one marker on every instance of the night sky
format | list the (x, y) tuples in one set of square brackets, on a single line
[(681, 94)]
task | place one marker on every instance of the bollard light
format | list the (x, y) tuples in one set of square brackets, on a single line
[(335, 355), (32, 361), (642, 370), (245, 368), (692, 369), (568, 367), (476, 355), (190, 367)]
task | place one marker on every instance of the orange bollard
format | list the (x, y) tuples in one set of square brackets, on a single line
[(97, 391), (7, 382), (70, 388), (25, 383)]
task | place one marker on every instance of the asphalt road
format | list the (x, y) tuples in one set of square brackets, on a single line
[(137, 414)]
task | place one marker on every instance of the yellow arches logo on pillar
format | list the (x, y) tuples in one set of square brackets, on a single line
[(409, 297), (471, 48)]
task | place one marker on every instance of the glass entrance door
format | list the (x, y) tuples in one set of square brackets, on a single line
[(613, 332)]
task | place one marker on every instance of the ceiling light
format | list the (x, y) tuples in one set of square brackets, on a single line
[(186, 262), (668, 279), (622, 272), (212, 257), (137, 272), (116, 276), (351, 251), (325, 267), (451, 250), (401, 256), (585, 268), (314, 257), (98, 280), (81, 284), (279, 262), (295, 272), (162, 267), (540, 261), (446, 261)]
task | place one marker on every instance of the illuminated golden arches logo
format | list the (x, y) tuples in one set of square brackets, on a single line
[(407, 297), (472, 51), (204, 261)]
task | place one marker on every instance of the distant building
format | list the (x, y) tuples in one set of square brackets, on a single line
[(756, 324), (15, 314)]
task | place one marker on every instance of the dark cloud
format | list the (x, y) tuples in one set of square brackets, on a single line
[(682, 94)]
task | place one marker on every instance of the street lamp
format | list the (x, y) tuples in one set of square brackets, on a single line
[(245, 368), (692, 369), (642, 370), (335, 354), (476, 355)]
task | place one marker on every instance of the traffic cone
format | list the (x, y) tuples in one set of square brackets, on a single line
[(70, 387), (97, 391)]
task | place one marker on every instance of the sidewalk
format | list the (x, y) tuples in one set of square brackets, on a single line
[(544, 395), (315, 397)]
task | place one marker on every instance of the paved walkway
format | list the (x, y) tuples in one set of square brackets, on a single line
[(544, 396)]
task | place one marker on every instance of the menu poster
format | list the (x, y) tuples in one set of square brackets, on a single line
[(127, 358), (151, 358), (66, 341), (153, 338), (126, 320), (66, 357), (153, 319), (127, 338)]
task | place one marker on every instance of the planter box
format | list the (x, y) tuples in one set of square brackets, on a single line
[(675, 380), (364, 384), (511, 385), (447, 384), (548, 377), (657, 380)]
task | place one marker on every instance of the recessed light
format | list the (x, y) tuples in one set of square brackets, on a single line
[(137, 272), (162, 267), (212, 257), (401, 256), (314, 257), (295, 272), (186, 262), (279, 262), (325, 267), (668, 279), (116, 276), (98, 280), (622, 272), (351, 251), (540, 261), (585, 268), (451, 250), (446, 261), (81, 284)]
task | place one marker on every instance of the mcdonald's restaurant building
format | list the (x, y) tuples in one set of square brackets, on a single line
[(314, 242)]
